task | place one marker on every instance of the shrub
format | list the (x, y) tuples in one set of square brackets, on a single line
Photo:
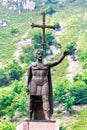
[(3, 77), (6, 98), (7, 126), (37, 39), (14, 71), (17, 87), (77, 77), (71, 1), (69, 100), (79, 92), (62, 127), (52, 1), (83, 56), (71, 48), (57, 25), (63, 95), (50, 10), (21, 103), (14, 31), (28, 55)]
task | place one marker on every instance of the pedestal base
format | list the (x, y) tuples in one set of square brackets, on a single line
[(38, 125)]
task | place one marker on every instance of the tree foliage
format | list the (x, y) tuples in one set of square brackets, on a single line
[(79, 92), (52, 1), (50, 10), (57, 25), (71, 47), (79, 89), (63, 95), (14, 70), (28, 55), (71, 1), (7, 126), (3, 77), (37, 41)]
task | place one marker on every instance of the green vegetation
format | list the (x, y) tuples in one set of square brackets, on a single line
[(6, 126), (28, 56), (3, 77), (79, 120), (62, 94), (12, 72)]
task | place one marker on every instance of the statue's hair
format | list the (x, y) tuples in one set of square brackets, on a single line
[(39, 50)]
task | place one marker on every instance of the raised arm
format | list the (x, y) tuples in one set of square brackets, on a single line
[(54, 63), (28, 78)]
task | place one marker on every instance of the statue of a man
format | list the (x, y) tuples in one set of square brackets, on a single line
[(39, 79)]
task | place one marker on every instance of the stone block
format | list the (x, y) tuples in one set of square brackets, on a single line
[(38, 125)]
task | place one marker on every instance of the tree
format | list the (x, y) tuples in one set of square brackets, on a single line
[(28, 54), (3, 77), (71, 1), (50, 10), (52, 1), (57, 25), (37, 40), (14, 31), (14, 71), (7, 126), (79, 92), (71, 47), (62, 94)]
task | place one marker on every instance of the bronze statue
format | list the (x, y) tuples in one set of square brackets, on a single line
[(40, 91)]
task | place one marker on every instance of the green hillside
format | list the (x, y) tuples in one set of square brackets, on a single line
[(16, 54)]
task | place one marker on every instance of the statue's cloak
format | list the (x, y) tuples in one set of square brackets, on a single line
[(50, 93)]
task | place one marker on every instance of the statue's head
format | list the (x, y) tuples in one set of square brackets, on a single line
[(39, 55)]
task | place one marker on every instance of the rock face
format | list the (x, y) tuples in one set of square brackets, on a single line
[(5, 3), (3, 23), (26, 4)]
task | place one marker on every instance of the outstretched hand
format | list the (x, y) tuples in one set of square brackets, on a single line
[(66, 53)]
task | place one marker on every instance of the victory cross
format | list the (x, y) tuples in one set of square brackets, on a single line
[(38, 82), (43, 27)]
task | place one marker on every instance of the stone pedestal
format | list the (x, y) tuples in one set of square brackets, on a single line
[(38, 125)]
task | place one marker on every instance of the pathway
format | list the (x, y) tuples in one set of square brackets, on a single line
[(1, 65), (21, 44), (73, 68)]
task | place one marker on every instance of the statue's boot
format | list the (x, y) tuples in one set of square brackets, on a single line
[(46, 107), (46, 114), (30, 114)]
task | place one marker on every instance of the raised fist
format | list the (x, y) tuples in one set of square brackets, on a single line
[(66, 53)]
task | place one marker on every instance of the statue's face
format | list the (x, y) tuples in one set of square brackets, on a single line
[(39, 55)]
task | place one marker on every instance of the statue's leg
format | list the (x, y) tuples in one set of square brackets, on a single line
[(46, 107), (31, 106)]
